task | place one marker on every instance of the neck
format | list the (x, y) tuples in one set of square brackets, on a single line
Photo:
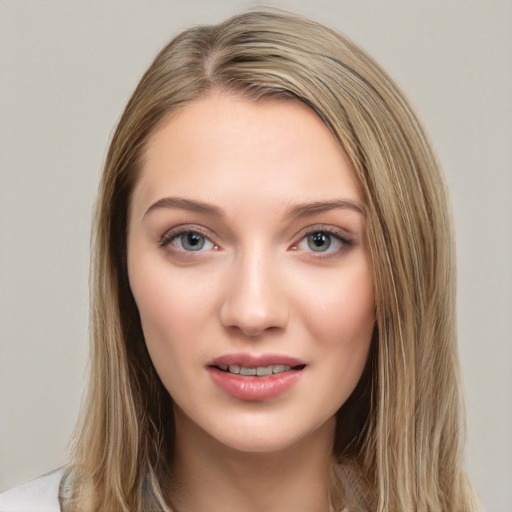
[(208, 475)]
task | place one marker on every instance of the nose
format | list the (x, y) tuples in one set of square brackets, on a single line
[(254, 302)]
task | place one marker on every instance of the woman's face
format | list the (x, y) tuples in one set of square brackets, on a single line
[(248, 264)]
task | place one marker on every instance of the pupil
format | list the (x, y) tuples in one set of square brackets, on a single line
[(319, 241), (193, 241)]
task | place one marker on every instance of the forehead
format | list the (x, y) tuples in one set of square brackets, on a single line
[(271, 148)]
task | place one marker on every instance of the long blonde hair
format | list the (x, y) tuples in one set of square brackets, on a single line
[(402, 429)]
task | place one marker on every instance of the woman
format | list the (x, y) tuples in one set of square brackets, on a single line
[(273, 288)]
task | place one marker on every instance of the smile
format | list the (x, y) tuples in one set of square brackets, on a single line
[(256, 377), (259, 371)]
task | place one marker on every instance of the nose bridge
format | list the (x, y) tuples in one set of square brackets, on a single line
[(253, 301)]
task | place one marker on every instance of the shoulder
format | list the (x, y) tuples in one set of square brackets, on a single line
[(39, 495)]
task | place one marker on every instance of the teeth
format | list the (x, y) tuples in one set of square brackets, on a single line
[(279, 368), (264, 370), (247, 371), (260, 371)]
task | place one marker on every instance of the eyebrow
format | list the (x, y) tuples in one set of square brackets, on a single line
[(309, 209), (300, 210), (185, 204)]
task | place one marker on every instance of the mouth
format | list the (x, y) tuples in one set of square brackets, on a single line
[(257, 371), (256, 378)]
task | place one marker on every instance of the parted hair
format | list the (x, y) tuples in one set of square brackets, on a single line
[(402, 430)]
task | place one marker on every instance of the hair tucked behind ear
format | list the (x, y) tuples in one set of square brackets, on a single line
[(401, 432)]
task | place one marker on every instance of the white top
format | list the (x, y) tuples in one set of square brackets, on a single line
[(39, 495), (42, 494)]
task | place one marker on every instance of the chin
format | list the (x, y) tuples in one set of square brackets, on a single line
[(261, 432), (259, 445), (275, 437)]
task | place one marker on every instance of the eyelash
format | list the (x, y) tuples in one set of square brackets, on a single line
[(173, 234), (340, 235), (344, 239)]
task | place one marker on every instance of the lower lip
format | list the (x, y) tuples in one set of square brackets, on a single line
[(254, 389)]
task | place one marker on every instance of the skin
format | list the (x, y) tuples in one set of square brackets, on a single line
[(258, 285)]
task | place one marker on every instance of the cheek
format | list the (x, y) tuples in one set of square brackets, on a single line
[(160, 304), (168, 301), (160, 301), (341, 307), (175, 306), (340, 320)]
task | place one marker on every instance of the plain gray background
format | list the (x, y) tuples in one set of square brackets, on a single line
[(67, 69)]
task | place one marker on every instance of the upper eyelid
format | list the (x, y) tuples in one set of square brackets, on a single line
[(327, 228), (172, 233)]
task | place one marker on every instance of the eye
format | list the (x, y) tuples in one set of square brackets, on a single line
[(319, 241), (187, 240), (323, 241), (192, 241)]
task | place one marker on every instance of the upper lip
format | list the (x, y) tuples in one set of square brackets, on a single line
[(254, 360)]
